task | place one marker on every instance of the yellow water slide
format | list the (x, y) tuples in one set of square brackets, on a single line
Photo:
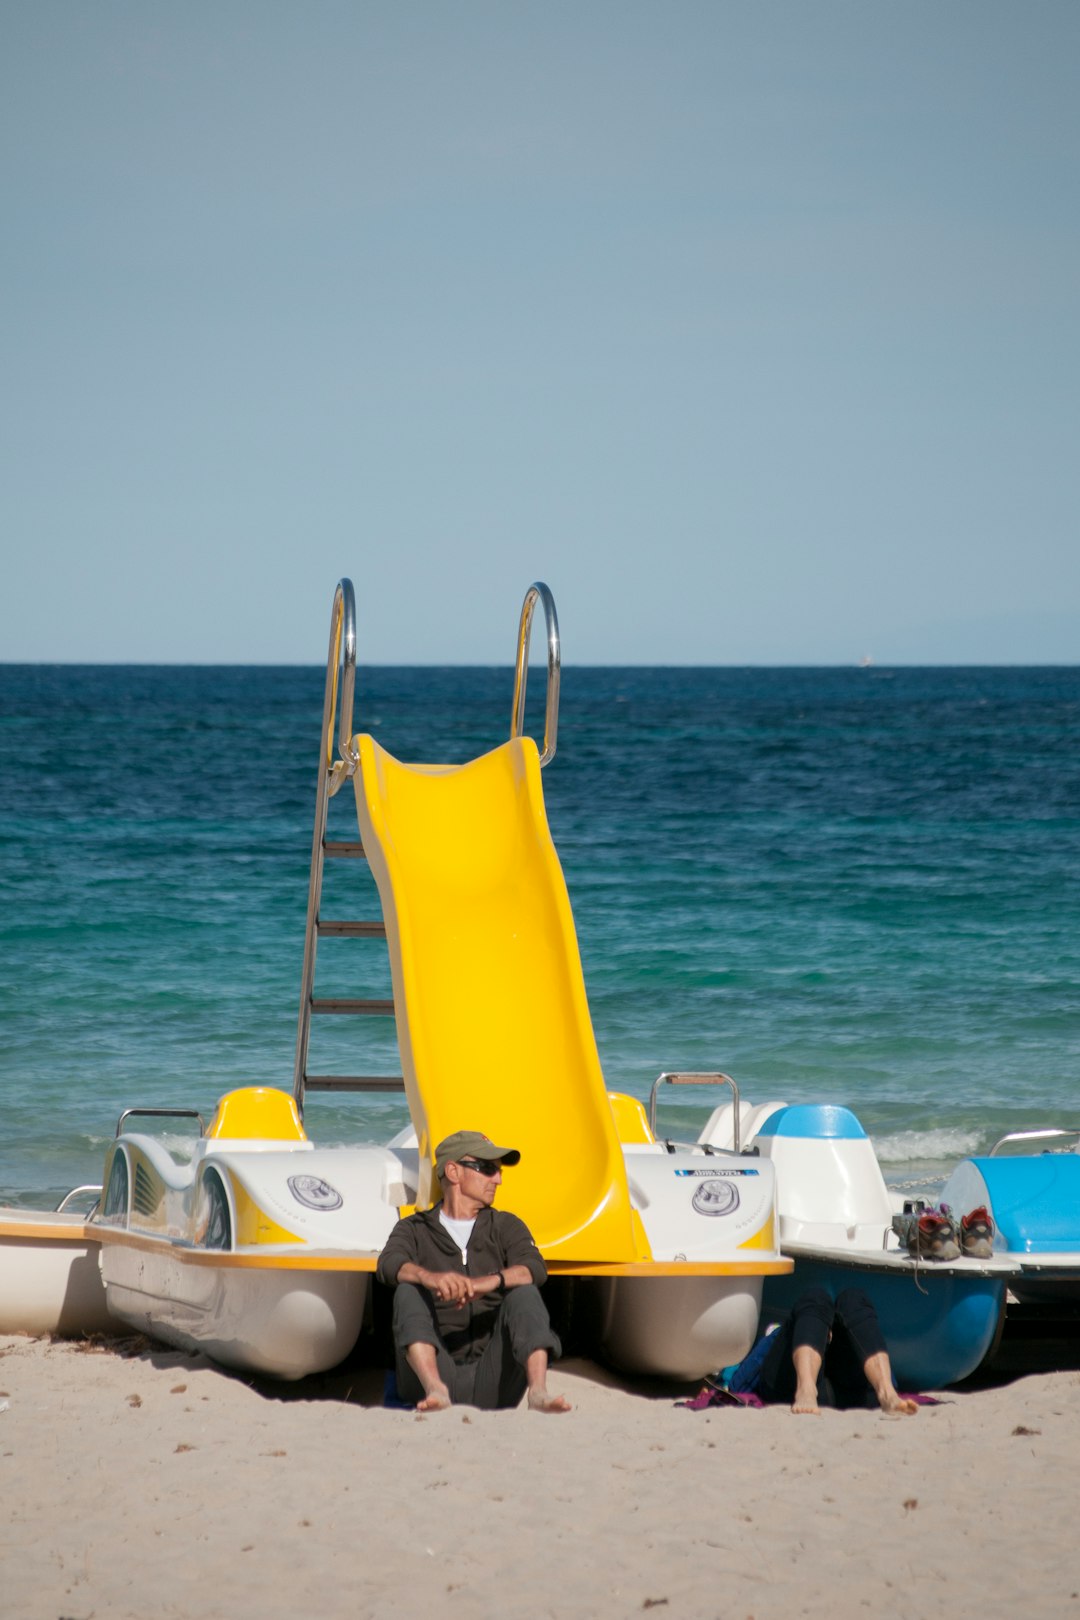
[(492, 1017)]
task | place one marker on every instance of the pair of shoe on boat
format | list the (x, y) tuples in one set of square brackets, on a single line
[(933, 1233)]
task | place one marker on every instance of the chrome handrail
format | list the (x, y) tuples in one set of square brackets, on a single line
[(78, 1192), (333, 774), (688, 1079), (538, 592), (340, 665), (1034, 1136), (162, 1113)]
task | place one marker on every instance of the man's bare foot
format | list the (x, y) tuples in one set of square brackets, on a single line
[(894, 1405), (541, 1401), (805, 1403), (436, 1400)]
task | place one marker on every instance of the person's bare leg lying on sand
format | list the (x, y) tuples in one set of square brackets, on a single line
[(878, 1372), (879, 1376), (805, 1348), (807, 1362)]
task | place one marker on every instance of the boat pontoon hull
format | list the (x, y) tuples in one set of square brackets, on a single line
[(278, 1322), (49, 1277), (940, 1327)]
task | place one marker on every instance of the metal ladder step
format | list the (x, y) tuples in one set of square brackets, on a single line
[(353, 1004), (353, 1082), (337, 849), (350, 930)]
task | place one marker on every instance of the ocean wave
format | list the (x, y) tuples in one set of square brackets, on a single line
[(915, 1147), (180, 1146)]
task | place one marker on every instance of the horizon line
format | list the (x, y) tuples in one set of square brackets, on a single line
[(538, 664)]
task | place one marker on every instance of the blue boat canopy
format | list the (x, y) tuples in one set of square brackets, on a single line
[(818, 1121), (1035, 1200)]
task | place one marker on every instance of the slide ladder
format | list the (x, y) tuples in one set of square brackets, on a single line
[(340, 682), (492, 1017)]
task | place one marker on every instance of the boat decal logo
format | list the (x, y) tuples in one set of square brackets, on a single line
[(717, 1170), (716, 1197), (315, 1193)]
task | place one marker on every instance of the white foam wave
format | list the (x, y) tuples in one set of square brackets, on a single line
[(913, 1147), (180, 1146)]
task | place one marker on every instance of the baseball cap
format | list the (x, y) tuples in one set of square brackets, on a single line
[(471, 1144)]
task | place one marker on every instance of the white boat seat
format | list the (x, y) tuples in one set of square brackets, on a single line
[(718, 1131), (826, 1169)]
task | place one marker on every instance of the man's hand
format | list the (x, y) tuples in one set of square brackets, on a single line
[(453, 1287)]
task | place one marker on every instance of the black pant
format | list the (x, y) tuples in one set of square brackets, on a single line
[(844, 1332), (497, 1377)]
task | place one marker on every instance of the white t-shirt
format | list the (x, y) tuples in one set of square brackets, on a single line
[(460, 1231)]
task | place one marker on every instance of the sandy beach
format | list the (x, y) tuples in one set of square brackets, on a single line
[(139, 1480)]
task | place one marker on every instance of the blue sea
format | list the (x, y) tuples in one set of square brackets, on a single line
[(858, 886)]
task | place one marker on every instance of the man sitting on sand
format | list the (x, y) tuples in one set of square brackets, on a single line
[(470, 1326), (831, 1353)]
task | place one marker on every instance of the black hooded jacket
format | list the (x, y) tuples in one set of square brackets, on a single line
[(499, 1240)]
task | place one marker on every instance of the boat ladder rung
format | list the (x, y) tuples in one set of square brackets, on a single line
[(337, 849), (353, 1004), (339, 929), (354, 1082)]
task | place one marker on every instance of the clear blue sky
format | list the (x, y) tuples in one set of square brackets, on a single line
[(752, 326)]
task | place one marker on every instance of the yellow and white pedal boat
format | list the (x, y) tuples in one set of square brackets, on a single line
[(258, 1249), (261, 1247)]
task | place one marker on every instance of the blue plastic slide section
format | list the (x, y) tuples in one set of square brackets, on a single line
[(1035, 1201), (818, 1121)]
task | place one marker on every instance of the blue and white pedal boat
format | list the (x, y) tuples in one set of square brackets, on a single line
[(942, 1319), (1033, 1197)]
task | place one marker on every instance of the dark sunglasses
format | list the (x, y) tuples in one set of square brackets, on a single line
[(483, 1167)]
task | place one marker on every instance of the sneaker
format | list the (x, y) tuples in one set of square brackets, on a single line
[(933, 1236), (977, 1233)]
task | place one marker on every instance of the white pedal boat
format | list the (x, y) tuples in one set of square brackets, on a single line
[(259, 1249)]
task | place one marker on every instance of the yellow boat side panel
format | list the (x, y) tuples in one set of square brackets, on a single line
[(254, 1112), (254, 1225), (493, 1023), (764, 1237)]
